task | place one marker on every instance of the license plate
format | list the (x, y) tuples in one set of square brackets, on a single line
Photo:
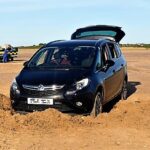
[(39, 101)]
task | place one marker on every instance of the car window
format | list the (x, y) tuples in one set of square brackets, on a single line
[(42, 58), (104, 54), (112, 50), (99, 58), (118, 50)]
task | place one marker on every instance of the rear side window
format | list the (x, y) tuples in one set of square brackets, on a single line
[(118, 50), (113, 51), (104, 55)]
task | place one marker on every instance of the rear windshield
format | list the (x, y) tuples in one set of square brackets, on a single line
[(70, 57), (96, 33)]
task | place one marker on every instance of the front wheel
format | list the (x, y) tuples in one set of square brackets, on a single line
[(97, 107), (124, 93)]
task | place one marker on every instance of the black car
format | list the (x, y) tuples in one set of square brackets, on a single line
[(79, 75)]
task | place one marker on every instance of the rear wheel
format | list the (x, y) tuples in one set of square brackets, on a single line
[(97, 108), (124, 92)]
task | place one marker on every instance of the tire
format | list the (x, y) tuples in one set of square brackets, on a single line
[(124, 92), (97, 107)]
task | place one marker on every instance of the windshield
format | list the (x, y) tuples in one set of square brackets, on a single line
[(57, 57)]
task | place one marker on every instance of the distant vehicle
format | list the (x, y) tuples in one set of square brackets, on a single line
[(13, 52), (79, 75)]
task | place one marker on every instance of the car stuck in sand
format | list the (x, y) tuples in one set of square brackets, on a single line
[(79, 75)]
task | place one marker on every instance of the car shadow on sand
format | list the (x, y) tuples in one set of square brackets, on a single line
[(132, 87)]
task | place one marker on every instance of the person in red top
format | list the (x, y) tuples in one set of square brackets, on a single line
[(65, 60)]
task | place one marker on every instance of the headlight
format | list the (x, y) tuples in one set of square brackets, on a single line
[(81, 84), (78, 86), (15, 87)]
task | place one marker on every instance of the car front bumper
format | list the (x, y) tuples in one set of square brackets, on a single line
[(62, 102)]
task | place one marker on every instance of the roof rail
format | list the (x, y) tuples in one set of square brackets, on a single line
[(106, 38), (55, 41)]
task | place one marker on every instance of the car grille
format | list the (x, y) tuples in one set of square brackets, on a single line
[(42, 90)]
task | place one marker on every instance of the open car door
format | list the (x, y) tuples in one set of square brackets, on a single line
[(97, 32)]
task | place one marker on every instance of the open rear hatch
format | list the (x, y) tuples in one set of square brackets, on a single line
[(98, 32)]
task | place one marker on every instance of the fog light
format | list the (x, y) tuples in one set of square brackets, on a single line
[(70, 92), (79, 104)]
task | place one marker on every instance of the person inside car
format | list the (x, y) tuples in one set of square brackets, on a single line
[(56, 58), (65, 60)]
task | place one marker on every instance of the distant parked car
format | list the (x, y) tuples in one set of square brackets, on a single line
[(13, 52), (79, 75)]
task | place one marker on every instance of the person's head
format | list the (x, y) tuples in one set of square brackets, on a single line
[(64, 55)]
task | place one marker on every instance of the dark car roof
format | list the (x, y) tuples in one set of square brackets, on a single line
[(74, 43)]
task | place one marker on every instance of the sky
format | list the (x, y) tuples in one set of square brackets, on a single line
[(29, 22)]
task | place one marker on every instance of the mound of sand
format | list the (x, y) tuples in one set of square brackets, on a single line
[(124, 113), (45, 120), (5, 103), (132, 114)]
